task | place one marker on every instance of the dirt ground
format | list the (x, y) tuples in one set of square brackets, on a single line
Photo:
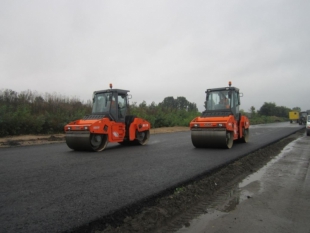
[(26, 140), (174, 208)]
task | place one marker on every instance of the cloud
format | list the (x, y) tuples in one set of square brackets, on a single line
[(158, 49)]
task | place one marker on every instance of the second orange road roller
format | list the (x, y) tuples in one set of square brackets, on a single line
[(221, 123), (108, 122)]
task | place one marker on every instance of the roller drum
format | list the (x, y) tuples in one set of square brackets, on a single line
[(84, 141), (212, 138), (78, 141)]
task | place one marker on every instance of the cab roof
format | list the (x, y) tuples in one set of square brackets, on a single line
[(112, 90), (223, 89)]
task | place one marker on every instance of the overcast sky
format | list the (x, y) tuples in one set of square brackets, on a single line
[(158, 48)]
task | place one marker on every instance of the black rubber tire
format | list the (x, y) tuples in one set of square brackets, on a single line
[(142, 137), (229, 139), (98, 142), (245, 137)]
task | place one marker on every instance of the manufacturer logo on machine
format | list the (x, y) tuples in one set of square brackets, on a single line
[(115, 134)]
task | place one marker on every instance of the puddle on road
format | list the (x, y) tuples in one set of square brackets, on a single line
[(232, 196)]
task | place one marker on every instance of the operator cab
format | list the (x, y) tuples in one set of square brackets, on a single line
[(222, 102), (111, 103)]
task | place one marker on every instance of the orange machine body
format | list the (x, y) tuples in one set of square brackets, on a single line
[(108, 122), (116, 131), (221, 123)]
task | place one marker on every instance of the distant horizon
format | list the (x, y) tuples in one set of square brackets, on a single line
[(85, 101)]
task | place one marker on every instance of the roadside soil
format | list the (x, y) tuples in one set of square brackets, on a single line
[(174, 208), (26, 140)]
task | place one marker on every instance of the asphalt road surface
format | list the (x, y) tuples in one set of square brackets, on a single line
[(50, 188)]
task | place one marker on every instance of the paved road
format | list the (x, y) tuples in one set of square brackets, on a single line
[(279, 203), (50, 188)]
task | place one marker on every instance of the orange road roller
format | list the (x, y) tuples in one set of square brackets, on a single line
[(108, 122), (221, 123)]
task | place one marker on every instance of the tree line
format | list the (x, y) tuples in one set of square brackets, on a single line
[(28, 112), (170, 112), (270, 112)]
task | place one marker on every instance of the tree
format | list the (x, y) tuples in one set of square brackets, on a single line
[(143, 104), (181, 103), (268, 109), (297, 109), (252, 110), (192, 107), (169, 103), (282, 111)]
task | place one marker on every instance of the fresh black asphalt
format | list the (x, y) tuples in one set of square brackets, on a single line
[(50, 188)]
